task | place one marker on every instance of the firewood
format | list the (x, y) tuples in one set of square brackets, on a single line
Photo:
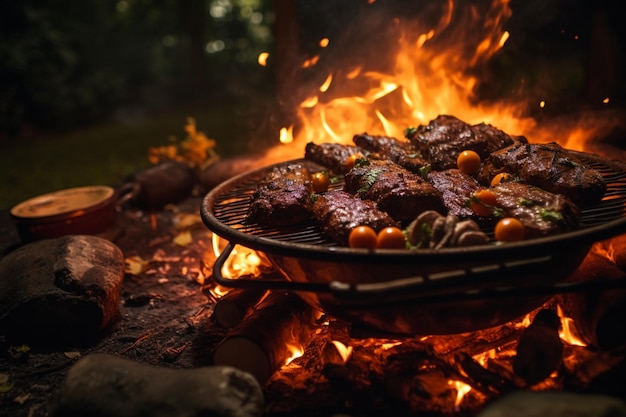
[(231, 309), (599, 315), (539, 349), (261, 343)]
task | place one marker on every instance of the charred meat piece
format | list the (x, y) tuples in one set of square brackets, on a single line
[(547, 166), (339, 212), (395, 190), (283, 198), (400, 152), (441, 140), (541, 212), (456, 187), (332, 155)]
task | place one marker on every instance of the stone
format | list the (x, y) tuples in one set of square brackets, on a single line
[(105, 385), (555, 404), (60, 291)]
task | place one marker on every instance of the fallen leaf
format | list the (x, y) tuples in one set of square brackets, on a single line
[(135, 265), (5, 383), (21, 399), (187, 220), (72, 355), (183, 238)]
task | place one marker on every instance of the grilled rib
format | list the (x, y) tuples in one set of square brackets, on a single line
[(456, 187), (541, 212), (547, 166), (283, 198), (395, 190), (445, 137), (332, 155), (385, 147), (339, 212)]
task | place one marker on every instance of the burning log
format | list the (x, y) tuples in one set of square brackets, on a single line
[(231, 309), (599, 315), (265, 340), (539, 350)]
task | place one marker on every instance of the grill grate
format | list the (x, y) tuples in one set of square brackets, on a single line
[(227, 206)]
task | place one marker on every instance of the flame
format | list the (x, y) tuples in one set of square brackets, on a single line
[(344, 351), (430, 74), (568, 332), (461, 390), (296, 350)]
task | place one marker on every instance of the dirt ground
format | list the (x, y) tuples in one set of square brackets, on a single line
[(162, 312)]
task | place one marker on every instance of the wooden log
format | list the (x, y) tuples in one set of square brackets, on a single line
[(598, 315), (539, 350), (232, 308), (262, 343)]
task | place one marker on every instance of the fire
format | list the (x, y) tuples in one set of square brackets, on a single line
[(296, 351), (461, 390), (430, 74), (343, 350), (568, 332)]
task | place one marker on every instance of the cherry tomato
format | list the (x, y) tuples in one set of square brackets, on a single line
[(391, 238), (320, 182), (501, 177), (351, 160), (483, 201), (509, 229), (363, 237), (468, 162)]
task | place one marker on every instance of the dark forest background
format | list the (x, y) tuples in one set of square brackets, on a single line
[(87, 86)]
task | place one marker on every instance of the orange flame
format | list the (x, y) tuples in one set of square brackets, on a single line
[(430, 75), (344, 351), (461, 390), (568, 332)]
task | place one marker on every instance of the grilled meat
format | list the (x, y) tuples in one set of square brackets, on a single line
[(547, 166), (339, 212), (283, 198), (395, 190), (456, 187), (541, 212), (400, 152), (441, 140), (332, 155)]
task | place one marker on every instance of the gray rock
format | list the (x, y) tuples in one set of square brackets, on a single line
[(555, 404), (103, 385), (60, 291)]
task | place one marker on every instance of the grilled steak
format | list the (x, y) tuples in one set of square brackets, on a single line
[(547, 166), (441, 140), (332, 155), (542, 213), (339, 212), (456, 187), (384, 147), (283, 198), (395, 190)]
